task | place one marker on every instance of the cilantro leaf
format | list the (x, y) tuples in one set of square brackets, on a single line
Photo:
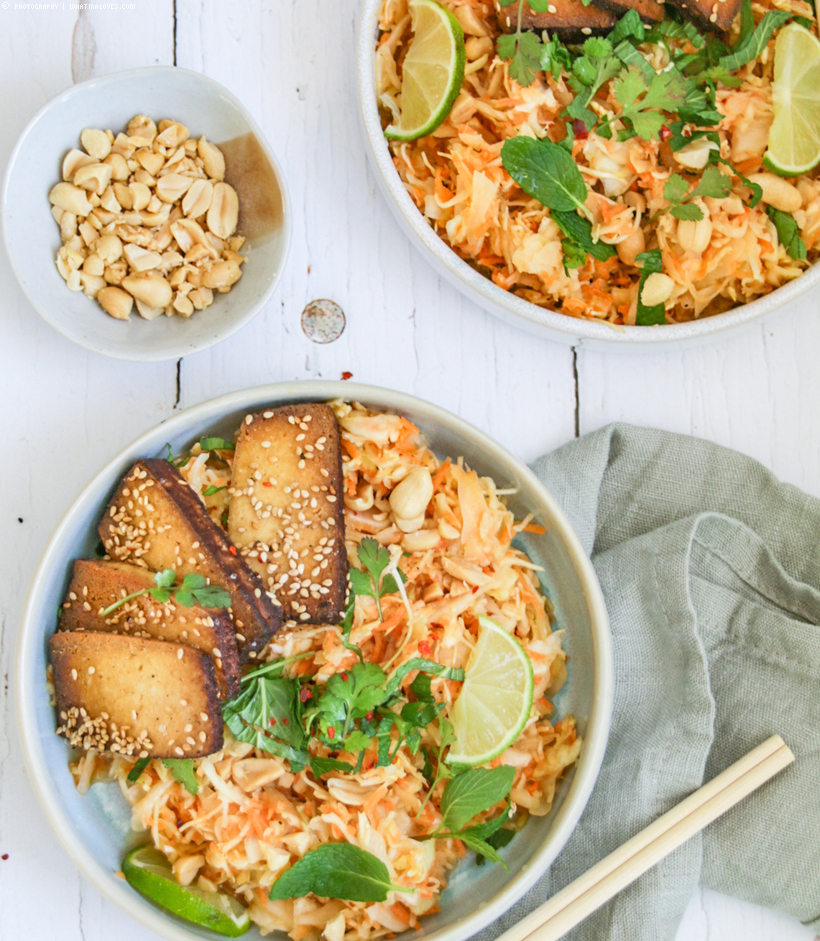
[(472, 793), (574, 255), (652, 264), (788, 233), (665, 91), (526, 62), (165, 579), (373, 581), (183, 771), (336, 870), (713, 183), (545, 171)]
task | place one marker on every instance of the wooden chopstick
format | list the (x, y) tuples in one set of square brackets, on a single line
[(581, 898)]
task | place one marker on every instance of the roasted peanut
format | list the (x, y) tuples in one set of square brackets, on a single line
[(631, 247), (657, 289), (695, 236), (224, 212), (70, 198), (149, 287), (96, 143), (777, 192), (212, 159), (410, 497)]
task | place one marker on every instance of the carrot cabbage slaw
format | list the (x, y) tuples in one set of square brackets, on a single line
[(252, 816)]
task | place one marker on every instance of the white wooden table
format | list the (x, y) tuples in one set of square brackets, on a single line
[(65, 412)]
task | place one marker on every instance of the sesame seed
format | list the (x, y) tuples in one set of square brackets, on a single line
[(90, 670)]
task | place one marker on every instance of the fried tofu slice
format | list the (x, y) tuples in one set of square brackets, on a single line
[(286, 513), (650, 11), (714, 15), (157, 522), (139, 697), (97, 584), (570, 20)]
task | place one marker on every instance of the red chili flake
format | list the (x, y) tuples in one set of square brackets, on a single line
[(579, 129), (271, 721), (347, 375), (285, 721), (344, 677), (369, 716), (305, 695), (666, 133), (331, 732), (266, 483), (232, 550), (475, 589), (4, 856), (424, 648)]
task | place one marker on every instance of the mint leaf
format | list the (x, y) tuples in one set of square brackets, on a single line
[(555, 57), (652, 264), (483, 848), (320, 766), (579, 231), (752, 46), (265, 715), (629, 26), (498, 841), (472, 793), (428, 666), (183, 770), (336, 870), (545, 171), (215, 443), (140, 765), (788, 232)]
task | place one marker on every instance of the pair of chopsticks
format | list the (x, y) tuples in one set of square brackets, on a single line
[(581, 898)]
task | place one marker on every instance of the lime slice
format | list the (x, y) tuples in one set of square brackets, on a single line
[(432, 71), (495, 700), (148, 871), (794, 139)]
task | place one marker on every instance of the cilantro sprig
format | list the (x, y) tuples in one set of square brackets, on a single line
[(194, 589), (373, 580), (526, 53), (680, 198), (645, 100)]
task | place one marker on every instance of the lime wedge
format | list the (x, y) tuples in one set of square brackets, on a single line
[(432, 71), (495, 700), (148, 871), (794, 139)]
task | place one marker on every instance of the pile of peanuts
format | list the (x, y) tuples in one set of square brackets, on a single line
[(146, 218)]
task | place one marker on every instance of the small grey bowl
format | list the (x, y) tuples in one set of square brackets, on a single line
[(95, 828), (32, 237), (503, 304)]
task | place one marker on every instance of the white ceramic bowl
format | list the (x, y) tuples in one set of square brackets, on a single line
[(33, 238), (502, 303), (94, 828)]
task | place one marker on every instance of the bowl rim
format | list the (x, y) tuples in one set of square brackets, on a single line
[(501, 303), (226, 328), (31, 635)]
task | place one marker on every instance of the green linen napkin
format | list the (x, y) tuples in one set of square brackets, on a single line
[(711, 572)]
